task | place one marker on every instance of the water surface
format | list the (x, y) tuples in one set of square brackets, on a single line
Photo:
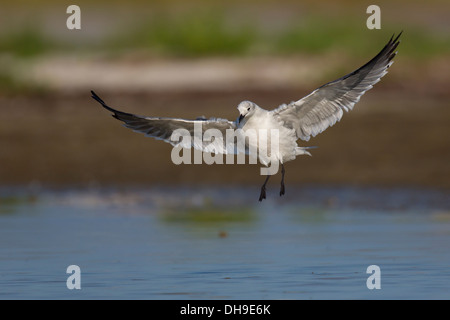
[(220, 243)]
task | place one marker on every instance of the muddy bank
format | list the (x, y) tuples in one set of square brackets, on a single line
[(390, 139)]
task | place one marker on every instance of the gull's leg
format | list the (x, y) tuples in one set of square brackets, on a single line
[(263, 189), (282, 180)]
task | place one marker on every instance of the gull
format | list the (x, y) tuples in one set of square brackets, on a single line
[(301, 119)]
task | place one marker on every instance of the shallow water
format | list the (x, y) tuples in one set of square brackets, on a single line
[(220, 243)]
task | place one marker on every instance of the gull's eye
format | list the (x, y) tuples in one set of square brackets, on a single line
[(248, 109)]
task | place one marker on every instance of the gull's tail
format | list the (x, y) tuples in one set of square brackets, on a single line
[(302, 150)]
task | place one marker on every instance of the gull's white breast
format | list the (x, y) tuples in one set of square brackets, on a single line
[(266, 127)]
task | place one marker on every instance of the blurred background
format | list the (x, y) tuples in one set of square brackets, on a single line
[(187, 59), (76, 187)]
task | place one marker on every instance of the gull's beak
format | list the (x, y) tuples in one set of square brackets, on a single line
[(241, 117)]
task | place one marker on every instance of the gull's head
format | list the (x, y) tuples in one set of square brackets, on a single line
[(246, 108)]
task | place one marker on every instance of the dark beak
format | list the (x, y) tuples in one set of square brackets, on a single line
[(241, 117)]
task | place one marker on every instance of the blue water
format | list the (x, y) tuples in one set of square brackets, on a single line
[(221, 243)]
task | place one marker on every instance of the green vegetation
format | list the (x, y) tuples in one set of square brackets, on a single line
[(208, 214), (9, 204), (421, 44), (211, 32), (24, 43), (200, 34)]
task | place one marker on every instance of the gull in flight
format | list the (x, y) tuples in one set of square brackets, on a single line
[(301, 119)]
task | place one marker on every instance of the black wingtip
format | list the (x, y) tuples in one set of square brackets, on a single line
[(391, 46), (398, 36), (99, 100), (119, 115)]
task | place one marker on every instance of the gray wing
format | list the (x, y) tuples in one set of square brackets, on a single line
[(164, 128), (323, 107)]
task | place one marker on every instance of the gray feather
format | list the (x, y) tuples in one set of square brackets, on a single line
[(162, 128), (323, 107)]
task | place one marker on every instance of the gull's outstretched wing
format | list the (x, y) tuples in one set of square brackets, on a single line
[(323, 107), (163, 128)]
